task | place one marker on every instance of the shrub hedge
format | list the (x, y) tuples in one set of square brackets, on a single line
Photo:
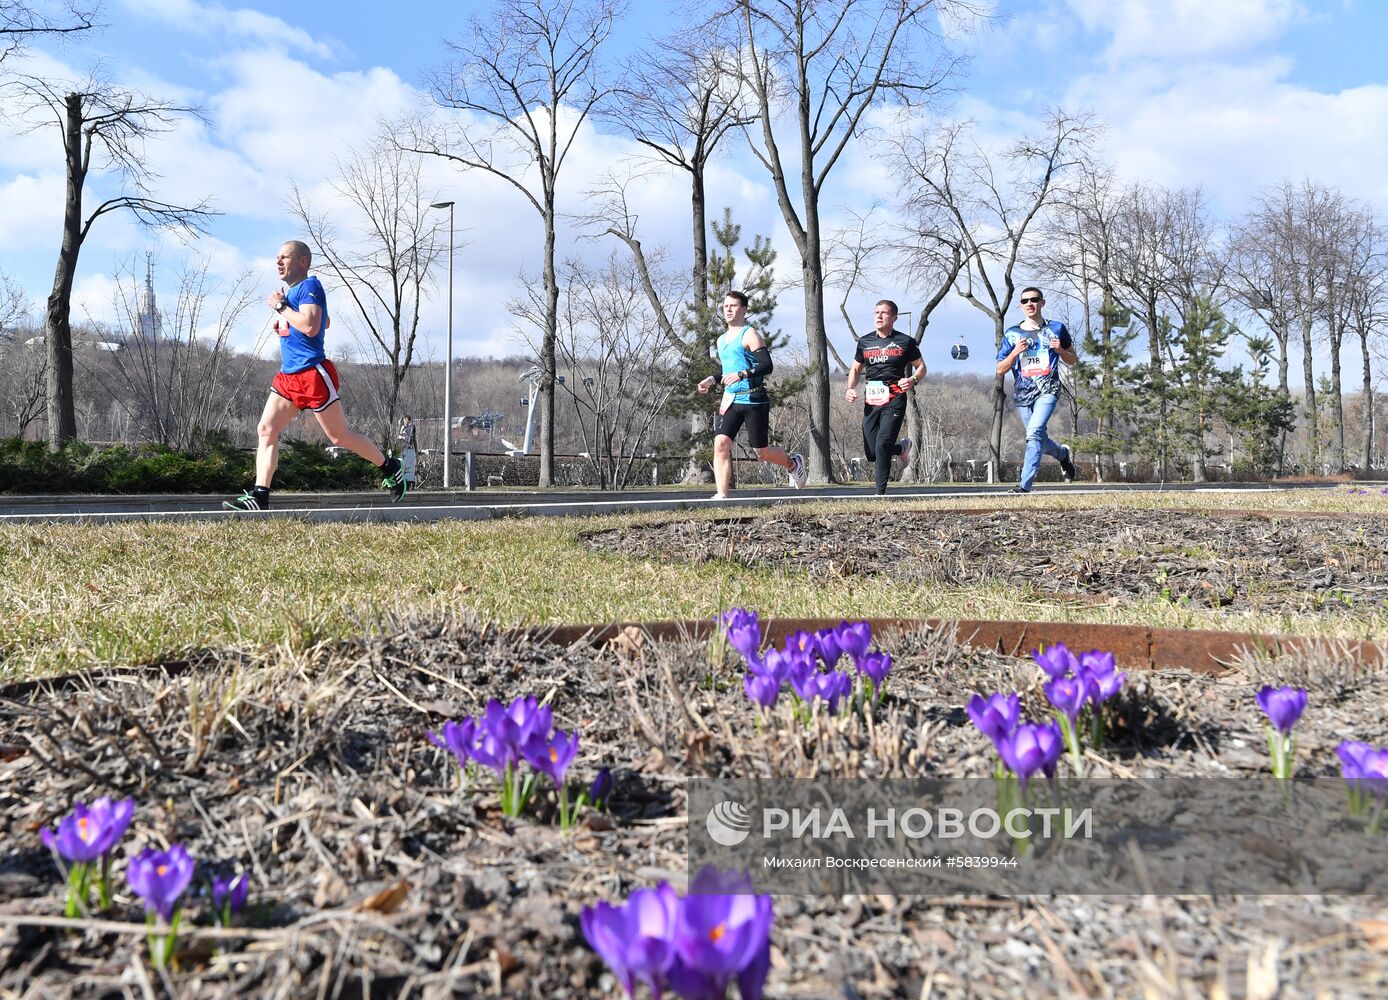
[(214, 466)]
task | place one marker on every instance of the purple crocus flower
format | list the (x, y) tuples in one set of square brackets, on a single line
[(996, 716), (1283, 706), (830, 651), (637, 939), (230, 893), (88, 833), (515, 723), (803, 642), (1068, 695), (1097, 668), (777, 664), (875, 666), (834, 687), (1361, 764), (719, 938), (827, 687), (789, 665), (456, 737), (1352, 756), (1056, 660), (743, 631), (494, 754), (854, 638), (762, 689), (160, 877), (1032, 747), (601, 788), (551, 755)]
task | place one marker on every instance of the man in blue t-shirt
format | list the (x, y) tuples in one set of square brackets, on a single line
[(307, 380), (1032, 350)]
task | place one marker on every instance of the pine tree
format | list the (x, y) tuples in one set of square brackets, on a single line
[(1103, 380)]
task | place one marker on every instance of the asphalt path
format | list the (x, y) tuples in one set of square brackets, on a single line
[(437, 505)]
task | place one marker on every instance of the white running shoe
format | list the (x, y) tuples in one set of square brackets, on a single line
[(905, 452), (720, 496), (799, 475)]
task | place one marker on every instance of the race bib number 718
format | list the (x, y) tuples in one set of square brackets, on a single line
[(1036, 361)]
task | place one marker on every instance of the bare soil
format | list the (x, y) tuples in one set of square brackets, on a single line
[(1277, 563), (372, 876)]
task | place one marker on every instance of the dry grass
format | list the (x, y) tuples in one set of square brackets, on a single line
[(73, 596)]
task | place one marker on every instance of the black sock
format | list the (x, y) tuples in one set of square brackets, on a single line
[(391, 464), (261, 493)]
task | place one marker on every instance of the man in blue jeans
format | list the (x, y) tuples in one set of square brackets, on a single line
[(1032, 350)]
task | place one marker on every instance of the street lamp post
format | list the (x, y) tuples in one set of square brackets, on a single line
[(448, 360)]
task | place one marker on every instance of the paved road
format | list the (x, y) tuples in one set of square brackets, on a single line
[(439, 505)]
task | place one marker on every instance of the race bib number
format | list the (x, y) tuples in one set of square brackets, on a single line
[(728, 399), (878, 394), (1036, 360)]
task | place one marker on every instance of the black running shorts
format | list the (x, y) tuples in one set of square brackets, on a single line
[(757, 417)]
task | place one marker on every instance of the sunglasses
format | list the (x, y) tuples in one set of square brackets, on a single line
[(1030, 299)]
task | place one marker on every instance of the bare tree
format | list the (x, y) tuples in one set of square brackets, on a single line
[(991, 210), (23, 363), (679, 100), (917, 248), (829, 64), (173, 376), (1361, 303), (1283, 241), (385, 261), (1159, 269), (12, 302), (104, 128), (20, 22), (1078, 250), (609, 340), (525, 81)]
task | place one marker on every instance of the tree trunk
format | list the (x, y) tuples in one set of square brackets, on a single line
[(820, 460), (1337, 402), (547, 366), (1153, 320), (57, 331), (999, 401), (1366, 461), (1309, 400), (698, 471), (1283, 332)]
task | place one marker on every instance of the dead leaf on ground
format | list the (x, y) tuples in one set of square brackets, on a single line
[(387, 900)]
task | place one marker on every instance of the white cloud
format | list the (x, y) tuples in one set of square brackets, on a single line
[(1184, 29), (1234, 129), (218, 22)]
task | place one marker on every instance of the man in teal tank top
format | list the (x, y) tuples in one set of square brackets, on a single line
[(744, 361)]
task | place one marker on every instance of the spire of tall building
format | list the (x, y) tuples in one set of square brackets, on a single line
[(148, 315)]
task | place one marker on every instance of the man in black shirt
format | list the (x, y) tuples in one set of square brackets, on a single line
[(891, 362)]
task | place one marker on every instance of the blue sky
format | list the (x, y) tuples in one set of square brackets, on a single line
[(1230, 95)]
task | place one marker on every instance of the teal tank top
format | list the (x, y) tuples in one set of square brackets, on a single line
[(732, 356)]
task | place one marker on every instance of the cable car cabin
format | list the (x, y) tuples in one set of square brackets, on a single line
[(960, 351)]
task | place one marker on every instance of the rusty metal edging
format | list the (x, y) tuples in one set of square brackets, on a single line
[(1133, 646)]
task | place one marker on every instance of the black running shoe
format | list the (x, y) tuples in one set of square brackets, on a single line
[(1067, 465), (246, 501), (395, 481), (1018, 489)]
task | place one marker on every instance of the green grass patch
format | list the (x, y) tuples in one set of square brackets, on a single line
[(75, 596)]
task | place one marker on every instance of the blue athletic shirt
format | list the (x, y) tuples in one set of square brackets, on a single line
[(1036, 372), (299, 351), (734, 357)]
